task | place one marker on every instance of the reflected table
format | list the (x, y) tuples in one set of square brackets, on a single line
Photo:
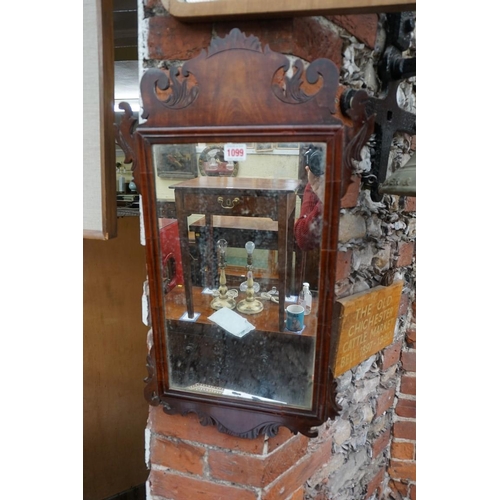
[(242, 197), (265, 321)]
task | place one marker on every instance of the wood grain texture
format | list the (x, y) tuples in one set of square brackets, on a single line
[(366, 324), (114, 350), (250, 9)]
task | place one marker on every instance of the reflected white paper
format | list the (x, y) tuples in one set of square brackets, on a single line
[(231, 322), (246, 395)]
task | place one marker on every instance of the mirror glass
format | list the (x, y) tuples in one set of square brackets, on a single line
[(240, 233)]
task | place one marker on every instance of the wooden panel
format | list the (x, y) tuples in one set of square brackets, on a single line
[(99, 173), (236, 9), (114, 360), (366, 324)]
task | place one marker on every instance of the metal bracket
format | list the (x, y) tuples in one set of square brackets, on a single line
[(389, 117)]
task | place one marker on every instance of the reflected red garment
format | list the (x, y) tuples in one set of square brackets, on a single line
[(309, 224)]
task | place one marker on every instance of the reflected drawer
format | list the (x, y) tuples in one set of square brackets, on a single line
[(232, 204)]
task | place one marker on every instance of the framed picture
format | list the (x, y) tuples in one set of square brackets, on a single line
[(287, 145), (175, 161), (261, 147)]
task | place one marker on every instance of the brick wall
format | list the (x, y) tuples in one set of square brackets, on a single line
[(189, 461), (402, 467), (368, 452)]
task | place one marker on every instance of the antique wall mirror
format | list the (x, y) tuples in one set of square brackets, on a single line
[(221, 156)]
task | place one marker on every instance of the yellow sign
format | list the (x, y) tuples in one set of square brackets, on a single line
[(366, 324)]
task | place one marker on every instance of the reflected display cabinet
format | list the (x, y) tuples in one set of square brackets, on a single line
[(224, 271)]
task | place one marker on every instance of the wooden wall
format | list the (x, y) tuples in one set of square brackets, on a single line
[(114, 347)]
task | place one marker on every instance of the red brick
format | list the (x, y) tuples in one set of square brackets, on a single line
[(410, 204), (403, 450), (286, 484), (403, 304), (177, 455), (282, 437), (399, 488), (406, 252), (381, 443), (409, 361), (413, 492), (408, 385), (411, 338), (390, 355), (285, 458), (350, 199), (384, 401), (375, 483), (298, 495), (253, 470), (153, 4), (239, 469), (344, 260), (322, 494), (406, 408), (402, 470), (177, 487), (404, 429), (168, 38), (189, 428), (362, 26), (314, 41)]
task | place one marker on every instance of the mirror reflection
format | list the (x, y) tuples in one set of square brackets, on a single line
[(240, 232)]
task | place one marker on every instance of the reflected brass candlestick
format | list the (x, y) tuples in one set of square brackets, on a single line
[(222, 300), (250, 305)]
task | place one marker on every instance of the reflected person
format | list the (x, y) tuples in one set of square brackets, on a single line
[(308, 226)]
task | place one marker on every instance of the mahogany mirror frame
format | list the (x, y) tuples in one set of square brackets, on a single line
[(259, 102)]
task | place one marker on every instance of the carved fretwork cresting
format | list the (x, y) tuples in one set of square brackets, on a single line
[(235, 40), (292, 92), (270, 429), (178, 89), (180, 93), (261, 424)]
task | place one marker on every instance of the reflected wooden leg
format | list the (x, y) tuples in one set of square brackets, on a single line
[(290, 289), (282, 261), (186, 260), (210, 252)]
